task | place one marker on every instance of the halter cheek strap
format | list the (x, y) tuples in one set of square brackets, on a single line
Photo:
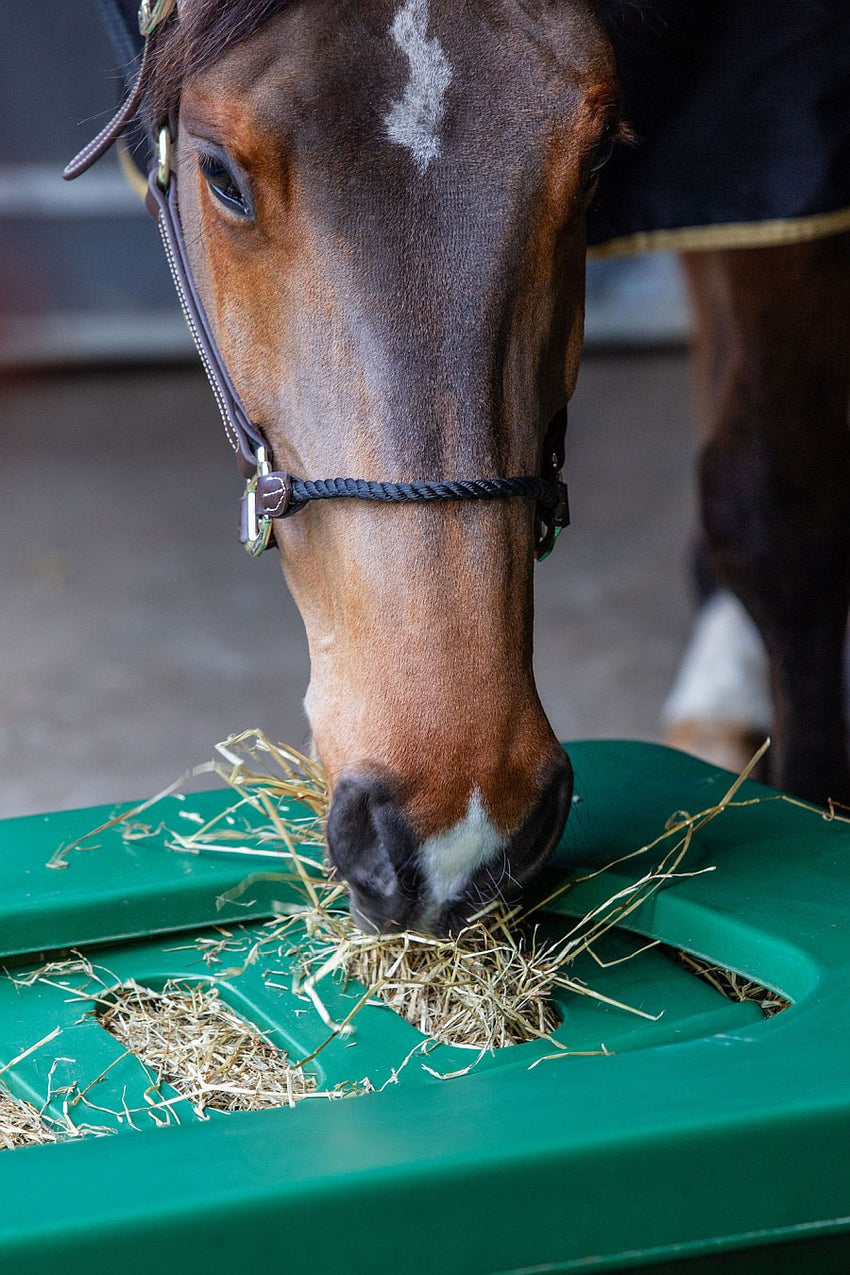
[(271, 494), (161, 201)]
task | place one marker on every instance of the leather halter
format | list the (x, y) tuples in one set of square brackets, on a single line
[(272, 494)]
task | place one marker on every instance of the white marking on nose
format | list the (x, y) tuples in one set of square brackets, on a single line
[(724, 675), (449, 859), (414, 121)]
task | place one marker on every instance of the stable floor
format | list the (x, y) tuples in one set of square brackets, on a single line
[(135, 632)]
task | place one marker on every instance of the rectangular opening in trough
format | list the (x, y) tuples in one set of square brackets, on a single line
[(21, 1124), (192, 1040), (734, 987)]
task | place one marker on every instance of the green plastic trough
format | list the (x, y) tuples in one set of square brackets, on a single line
[(708, 1139)]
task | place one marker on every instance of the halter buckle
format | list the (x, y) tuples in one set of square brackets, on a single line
[(551, 524), (163, 157), (256, 529), (547, 536), (152, 12)]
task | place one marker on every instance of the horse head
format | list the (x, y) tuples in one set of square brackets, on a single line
[(383, 203)]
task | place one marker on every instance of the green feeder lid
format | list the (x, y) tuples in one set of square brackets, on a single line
[(709, 1138)]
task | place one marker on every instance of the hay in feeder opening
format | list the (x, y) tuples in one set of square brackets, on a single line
[(197, 1044), (21, 1124), (483, 990), (495, 984), (488, 987)]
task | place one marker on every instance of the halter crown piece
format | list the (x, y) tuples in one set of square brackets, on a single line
[(271, 494)]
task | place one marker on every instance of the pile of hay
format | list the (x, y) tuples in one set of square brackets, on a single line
[(196, 1043), (183, 1035), (488, 988)]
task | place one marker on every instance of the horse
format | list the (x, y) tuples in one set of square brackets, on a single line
[(385, 205)]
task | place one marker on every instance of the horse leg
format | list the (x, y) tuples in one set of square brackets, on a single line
[(773, 363), (720, 707)]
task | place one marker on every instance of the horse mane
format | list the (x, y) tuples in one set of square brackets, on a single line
[(194, 40)]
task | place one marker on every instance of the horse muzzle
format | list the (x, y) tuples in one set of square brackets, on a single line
[(436, 885)]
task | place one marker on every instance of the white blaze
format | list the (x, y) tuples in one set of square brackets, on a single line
[(414, 121), (724, 675), (449, 859)]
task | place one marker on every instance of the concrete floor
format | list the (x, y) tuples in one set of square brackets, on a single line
[(136, 633)]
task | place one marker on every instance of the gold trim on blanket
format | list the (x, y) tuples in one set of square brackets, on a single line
[(736, 234)]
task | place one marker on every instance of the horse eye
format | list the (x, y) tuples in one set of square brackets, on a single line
[(603, 152), (223, 185), (600, 155)]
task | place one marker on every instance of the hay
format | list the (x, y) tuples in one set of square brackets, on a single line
[(489, 987), (196, 1043), (21, 1124), (183, 1035)]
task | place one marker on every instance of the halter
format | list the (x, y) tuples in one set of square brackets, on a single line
[(271, 494)]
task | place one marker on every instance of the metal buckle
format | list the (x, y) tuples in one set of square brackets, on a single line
[(548, 533), (550, 527), (152, 12), (258, 529), (163, 157)]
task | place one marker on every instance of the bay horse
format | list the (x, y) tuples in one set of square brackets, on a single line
[(384, 206)]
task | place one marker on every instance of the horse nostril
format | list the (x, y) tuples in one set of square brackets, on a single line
[(533, 843), (374, 849)]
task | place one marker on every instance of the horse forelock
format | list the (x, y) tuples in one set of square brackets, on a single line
[(195, 38)]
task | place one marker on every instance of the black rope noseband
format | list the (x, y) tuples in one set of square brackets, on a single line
[(300, 493), (271, 494), (275, 494)]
